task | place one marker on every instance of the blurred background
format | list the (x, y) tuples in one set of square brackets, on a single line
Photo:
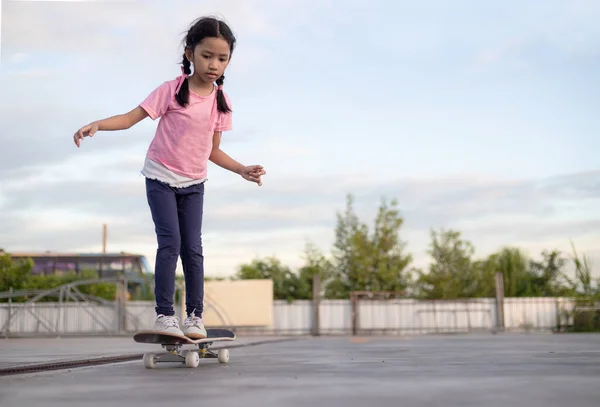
[(415, 148)]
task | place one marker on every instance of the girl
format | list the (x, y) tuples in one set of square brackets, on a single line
[(193, 113)]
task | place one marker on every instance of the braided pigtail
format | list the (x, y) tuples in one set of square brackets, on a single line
[(183, 96), (222, 105), (205, 27)]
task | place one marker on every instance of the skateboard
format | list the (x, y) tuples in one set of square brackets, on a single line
[(190, 357)]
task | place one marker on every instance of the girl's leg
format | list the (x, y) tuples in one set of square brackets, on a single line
[(190, 202), (163, 206)]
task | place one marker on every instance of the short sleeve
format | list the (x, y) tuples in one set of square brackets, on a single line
[(224, 122), (157, 102)]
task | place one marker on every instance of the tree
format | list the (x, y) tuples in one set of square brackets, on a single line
[(365, 261), (375, 259), (514, 266), (14, 274), (315, 263), (583, 286), (452, 273), (18, 276), (285, 283), (485, 270), (344, 257), (546, 275)]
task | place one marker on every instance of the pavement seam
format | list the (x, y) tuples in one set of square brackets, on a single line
[(104, 360)]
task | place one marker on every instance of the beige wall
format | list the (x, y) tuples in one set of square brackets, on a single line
[(239, 303)]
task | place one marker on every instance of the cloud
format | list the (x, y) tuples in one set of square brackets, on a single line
[(281, 216), (143, 34), (319, 133), (568, 29), (130, 47), (38, 140)]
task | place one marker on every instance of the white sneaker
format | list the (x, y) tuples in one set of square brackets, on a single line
[(193, 327), (167, 324)]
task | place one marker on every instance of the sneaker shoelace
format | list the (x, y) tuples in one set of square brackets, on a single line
[(193, 321), (170, 321)]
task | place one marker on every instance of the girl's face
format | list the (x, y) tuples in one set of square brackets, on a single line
[(210, 58)]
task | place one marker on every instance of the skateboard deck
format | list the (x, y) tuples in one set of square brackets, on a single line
[(173, 344), (213, 335)]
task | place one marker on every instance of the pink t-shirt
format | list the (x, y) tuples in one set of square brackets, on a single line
[(183, 139)]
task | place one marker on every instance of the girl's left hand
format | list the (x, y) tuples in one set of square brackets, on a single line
[(253, 173)]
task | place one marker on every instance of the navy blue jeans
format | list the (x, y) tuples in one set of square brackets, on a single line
[(177, 216)]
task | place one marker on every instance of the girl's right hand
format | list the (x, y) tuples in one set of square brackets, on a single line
[(85, 131)]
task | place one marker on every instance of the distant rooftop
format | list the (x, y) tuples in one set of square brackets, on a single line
[(55, 262), (72, 254)]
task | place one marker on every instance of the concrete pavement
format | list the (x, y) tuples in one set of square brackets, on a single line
[(30, 351), (536, 370)]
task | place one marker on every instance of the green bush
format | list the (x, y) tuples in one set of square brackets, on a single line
[(18, 276)]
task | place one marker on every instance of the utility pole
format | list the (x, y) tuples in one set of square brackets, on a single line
[(104, 238)]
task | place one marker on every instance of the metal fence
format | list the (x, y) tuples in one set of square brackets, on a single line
[(335, 317)]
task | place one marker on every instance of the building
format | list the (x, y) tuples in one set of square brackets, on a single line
[(133, 266)]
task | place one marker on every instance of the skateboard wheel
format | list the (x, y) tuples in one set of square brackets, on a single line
[(149, 360), (223, 356), (192, 359)]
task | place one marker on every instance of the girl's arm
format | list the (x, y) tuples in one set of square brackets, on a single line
[(122, 121), (118, 122), (220, 158), (248, 172)]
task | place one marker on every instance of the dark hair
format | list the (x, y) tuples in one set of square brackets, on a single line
[(205, 27)]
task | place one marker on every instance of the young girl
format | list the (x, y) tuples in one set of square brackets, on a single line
[(193, 113)]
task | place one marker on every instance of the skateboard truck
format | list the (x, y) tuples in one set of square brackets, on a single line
[(190, 357)]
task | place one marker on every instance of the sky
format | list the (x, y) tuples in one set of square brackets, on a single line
[(476, 116)]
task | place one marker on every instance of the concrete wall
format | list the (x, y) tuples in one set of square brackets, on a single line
[(239, 303)]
